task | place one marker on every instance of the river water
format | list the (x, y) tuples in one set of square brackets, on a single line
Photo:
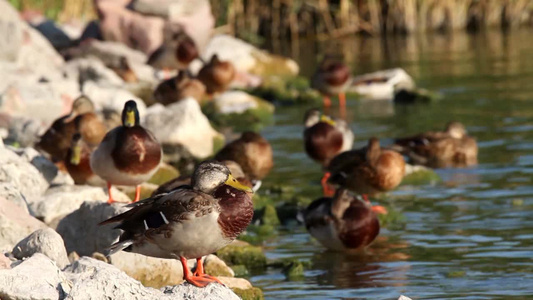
[(469, 236)]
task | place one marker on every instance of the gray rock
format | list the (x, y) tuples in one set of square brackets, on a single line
[(36, 278), (9, 192), (191, 292), (15, 224), (5, 262), (46, 241), (53, 34), (24, 131), (80, 229), (182, 123), (112, 97), (62, 200), (41, 163), (23, 175)]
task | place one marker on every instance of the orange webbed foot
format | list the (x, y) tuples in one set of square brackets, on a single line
[(201, 281), (378, 209), (326, 188)]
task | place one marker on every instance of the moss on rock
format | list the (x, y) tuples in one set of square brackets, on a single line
[(165, 173), (243, 254), (249, 294), (286, 90), (419, 175)]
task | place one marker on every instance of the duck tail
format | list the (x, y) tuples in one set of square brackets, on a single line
[(118, 246)]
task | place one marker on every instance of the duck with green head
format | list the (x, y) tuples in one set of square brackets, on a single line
[(128, 154), (189, 221)]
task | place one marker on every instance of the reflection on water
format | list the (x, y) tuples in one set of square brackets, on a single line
[(469, 236)]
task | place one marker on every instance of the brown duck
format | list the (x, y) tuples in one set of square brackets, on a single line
[(78, 163), (179, 87), (175, 53), (325, 138), (342, 223), (189, 222), (57, 139), (216, 75), (128, 154), (332, 78), (252, 152), (124, 71), (438, 149)]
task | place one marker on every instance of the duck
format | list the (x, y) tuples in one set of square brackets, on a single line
[(82, 118), (325, 138), (179, 87), (253, 153), (452, 147), (188, 222), (342, 222), (77, 163), (176, 52), (367, 171), (128, 154), (235, 170), (124, 71), (332, 77), (216, 75)]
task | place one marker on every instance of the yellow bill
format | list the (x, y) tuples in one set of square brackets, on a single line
[(76, 155), (231, 181), (327, 119), (130, 118)]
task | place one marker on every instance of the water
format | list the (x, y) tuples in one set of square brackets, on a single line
[(467, 237)]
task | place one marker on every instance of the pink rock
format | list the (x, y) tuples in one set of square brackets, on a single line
[(5, 263)]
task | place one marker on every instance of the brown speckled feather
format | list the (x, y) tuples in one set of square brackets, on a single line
[(252, 152), (322, 142), (178, 88), (237, 210), (136, 150), (217, 75)]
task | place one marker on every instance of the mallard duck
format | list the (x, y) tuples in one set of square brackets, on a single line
[(128, 155), (179, 87), (188, 222), (124, 71), (332, 78), (367, 171), (343, 222), (216, 75), (176, 52), (78, 164), (235, 171), (57, 139), (252, 152), (324, 138), (449, 148)]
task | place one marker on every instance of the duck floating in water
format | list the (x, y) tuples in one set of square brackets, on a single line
[(188, 222), (57, 139), (343, 222), (252, 153), (128, 154), (325, 138), (438, 149), (179, 87), (332, 78), (216, 75), (381, 85), (367, 171)]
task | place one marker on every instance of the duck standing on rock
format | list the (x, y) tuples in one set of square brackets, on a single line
[(128, 154), (188, 222), (179, 87), (57, 139), (449, 148), (367, 171), (325, 138), (332, 78), (343, 222), (216, 75), (253, 153), (176, 52)]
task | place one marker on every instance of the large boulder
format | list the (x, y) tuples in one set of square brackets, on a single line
[(24, 131), (46, 241), (22, 174), (61, 200), (182, 124), (15, 224), (9, 192), (36, 278)]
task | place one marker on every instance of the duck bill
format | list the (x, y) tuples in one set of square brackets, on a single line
[(231, 181), (327, 119), (130, 119), (76, 156)]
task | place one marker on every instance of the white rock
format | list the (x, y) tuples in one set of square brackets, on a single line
[(62, 200), (24, 131), (9, 192), (46, 241), (111, 97), (234, 102), (402, 297), (15, 224), (41, 163), (191, 292), (236, 283), (5, 262), (110, 52), (92, 69), (384, 87), (182, 123), (23, 175)]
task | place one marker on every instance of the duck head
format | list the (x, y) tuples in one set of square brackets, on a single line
[(373, 150), (81, 105), (456, 130), (187, 50), (210, 175), (130, 114), (314, 116)]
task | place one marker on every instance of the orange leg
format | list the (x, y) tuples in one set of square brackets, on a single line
[(327, 102), (200, 271), (326, 188), (342, 104), (196, 280), (378, 209), (110, 200), (137, 193)]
